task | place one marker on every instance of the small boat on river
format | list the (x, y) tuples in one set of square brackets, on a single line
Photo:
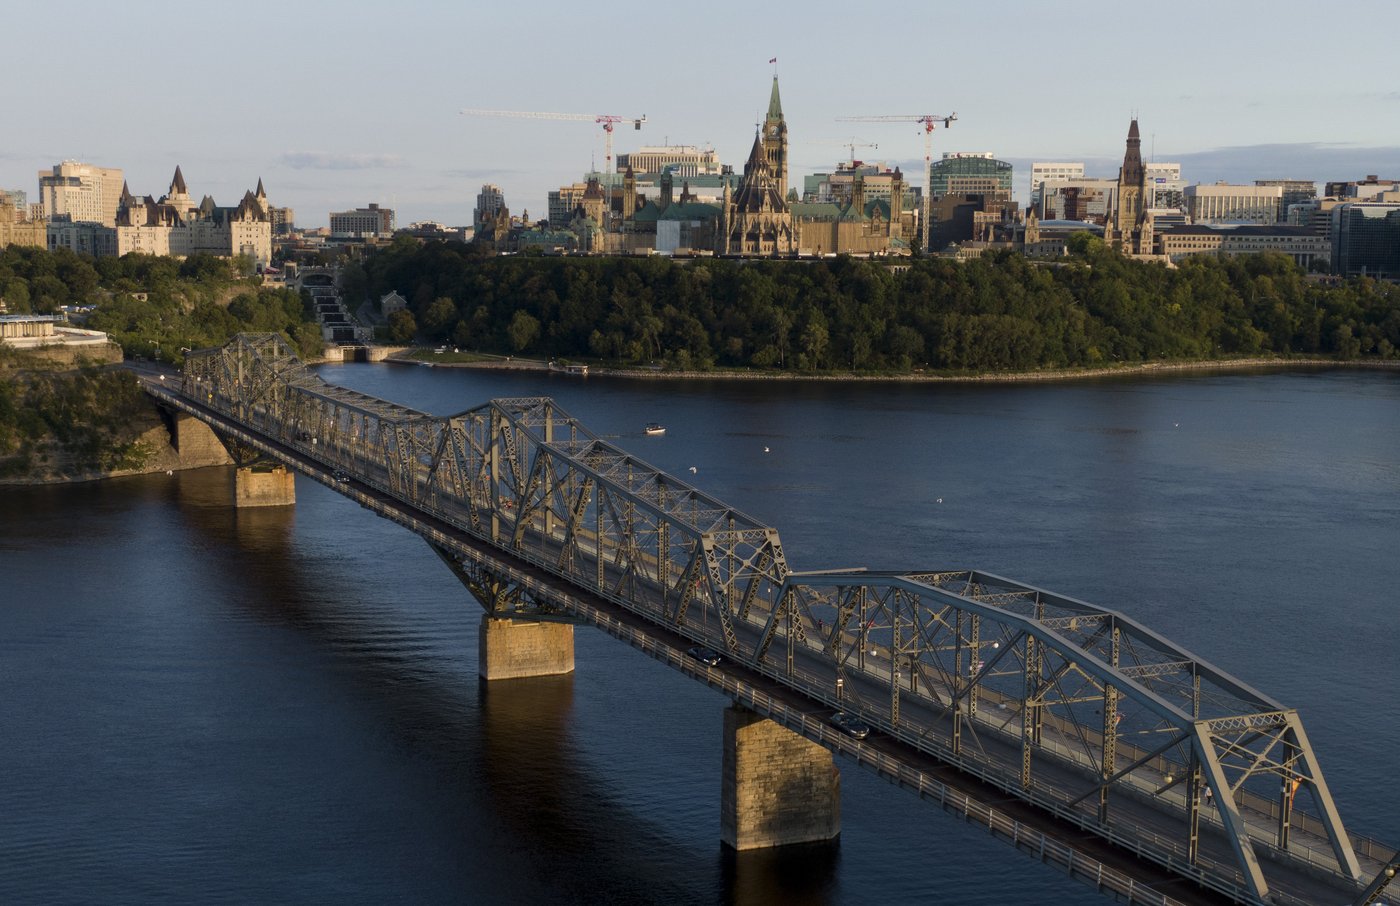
[(654, 428)]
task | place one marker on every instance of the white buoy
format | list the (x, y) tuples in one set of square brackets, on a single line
[(765, 449)]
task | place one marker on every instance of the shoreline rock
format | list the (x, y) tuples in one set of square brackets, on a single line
[(1144, 369)]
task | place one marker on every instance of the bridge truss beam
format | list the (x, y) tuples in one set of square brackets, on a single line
[(1074, 707)]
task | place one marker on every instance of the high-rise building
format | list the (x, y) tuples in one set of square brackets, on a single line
[(283, 220), (81, 192), (1225, 203), (1366, 239), (970, 173), (1295, 191), (562, 202), (683, 161), (1084, 199), (1360, 189), (1045, 171), (488, 202), (370, 221), (1164, 186)]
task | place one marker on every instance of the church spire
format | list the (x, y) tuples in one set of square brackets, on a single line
[(1133, 170), (775, 103)]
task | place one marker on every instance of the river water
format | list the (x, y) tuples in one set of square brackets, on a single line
[(203, 705)]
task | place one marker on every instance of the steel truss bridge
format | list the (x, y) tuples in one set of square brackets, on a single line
[(1208, 789)]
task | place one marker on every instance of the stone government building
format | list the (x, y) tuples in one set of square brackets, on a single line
[(756, 215), (175, 225), (83, 212)]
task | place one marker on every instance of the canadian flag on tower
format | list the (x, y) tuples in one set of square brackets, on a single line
[(774, 60)]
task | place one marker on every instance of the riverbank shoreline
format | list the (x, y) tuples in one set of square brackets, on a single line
[(1144, 369)]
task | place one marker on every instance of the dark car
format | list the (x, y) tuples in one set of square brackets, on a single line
[(342, 476), (707, 656), (850, 724)]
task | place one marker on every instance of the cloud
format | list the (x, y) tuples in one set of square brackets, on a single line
[(327, 160), (1319, 161), (484, 173)]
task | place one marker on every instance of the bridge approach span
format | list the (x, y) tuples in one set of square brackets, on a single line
[(1079, 712)]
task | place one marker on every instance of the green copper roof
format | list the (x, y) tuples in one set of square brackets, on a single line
[(691, 210), (880, 204), (822, 210), (775, 104)]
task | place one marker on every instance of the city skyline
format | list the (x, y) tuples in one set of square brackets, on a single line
[(337, 105)]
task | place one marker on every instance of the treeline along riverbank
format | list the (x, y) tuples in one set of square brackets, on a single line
[(1000, 312)]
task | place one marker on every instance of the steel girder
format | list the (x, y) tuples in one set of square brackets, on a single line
[(523, 474), (1091, 700), (1078, 708)]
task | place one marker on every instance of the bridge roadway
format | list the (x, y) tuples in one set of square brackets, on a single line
[(1136, 855)]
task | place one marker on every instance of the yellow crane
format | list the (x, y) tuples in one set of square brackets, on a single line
[(928, 121)]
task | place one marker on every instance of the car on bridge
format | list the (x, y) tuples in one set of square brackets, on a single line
[(850, 724), (707, 656), (341, 476)]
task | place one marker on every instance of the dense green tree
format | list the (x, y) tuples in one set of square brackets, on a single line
[(524, 330), (402, 326), (440, 318), (994, 313)]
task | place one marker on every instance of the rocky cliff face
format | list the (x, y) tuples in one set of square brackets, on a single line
[(89, 423)]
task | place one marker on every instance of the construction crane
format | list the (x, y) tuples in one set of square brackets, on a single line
[(608, 121), (928, 121), (853, 145)]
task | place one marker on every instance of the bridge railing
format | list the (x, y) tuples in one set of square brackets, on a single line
[(950, 660)]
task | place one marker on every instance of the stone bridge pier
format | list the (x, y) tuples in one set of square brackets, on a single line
[(778, 788), (515, 649), (255, 483)]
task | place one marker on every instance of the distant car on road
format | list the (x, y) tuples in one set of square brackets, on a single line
[(342, 476), (707, 656), (850, 725)]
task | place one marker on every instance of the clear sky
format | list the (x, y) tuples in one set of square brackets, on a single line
[(338, 104)]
